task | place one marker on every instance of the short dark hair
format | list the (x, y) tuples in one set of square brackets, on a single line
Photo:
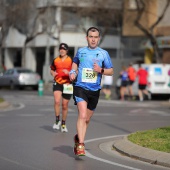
[(93, 29)]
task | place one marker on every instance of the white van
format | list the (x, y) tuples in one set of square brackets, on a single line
[(158, 78)]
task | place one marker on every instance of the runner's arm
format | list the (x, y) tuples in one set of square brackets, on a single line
[(53, 73), (108, 71), (104, 71), (73, 72)]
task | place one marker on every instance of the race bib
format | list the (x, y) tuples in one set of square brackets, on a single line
[(88, 75), (68, 89)]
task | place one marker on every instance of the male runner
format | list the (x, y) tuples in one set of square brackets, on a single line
[(89, 64)]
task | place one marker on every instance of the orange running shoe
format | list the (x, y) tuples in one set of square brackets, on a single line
[(80, 149)]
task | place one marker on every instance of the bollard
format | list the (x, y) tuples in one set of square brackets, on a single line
[(40, 88)]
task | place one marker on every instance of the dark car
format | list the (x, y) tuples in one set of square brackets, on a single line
[(19, 78)]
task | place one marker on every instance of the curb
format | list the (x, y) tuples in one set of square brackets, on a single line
[(4, 104), (132, 150)]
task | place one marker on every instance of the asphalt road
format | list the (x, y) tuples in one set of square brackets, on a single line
[(27, 140)]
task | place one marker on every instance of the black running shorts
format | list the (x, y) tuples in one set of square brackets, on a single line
[(91, 97), (130, 83), (59, 87), (124, 83), (142, 86)]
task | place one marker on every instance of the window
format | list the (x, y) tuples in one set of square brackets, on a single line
[(132, 5)]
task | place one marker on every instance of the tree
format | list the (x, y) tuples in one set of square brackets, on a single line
[(27, 19), (19, 14), (106, 15), (142, 7)]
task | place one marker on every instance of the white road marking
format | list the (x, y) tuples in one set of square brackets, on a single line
[(147, 111), (20, 106), (162, 113), (135, 110), (17, 163), (104, 160)]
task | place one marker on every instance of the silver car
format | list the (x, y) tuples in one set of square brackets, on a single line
[(19, 78)]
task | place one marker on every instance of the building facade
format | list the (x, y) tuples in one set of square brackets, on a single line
[(153, 10), (65, 24)]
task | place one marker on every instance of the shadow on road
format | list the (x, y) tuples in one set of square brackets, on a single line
[(68, 150), (111, 125), (49, 128)]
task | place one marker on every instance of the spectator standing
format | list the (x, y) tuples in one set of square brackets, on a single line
[(132, 76), (107, 84), (62, 87), (89, 64), (124, 82), (142, 83)]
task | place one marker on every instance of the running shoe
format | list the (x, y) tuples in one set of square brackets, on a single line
[(76, 142), (80, 150), (64, 128), (57, 125), (107, 97)]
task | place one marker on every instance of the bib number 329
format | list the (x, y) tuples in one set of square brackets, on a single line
[(88, 75)]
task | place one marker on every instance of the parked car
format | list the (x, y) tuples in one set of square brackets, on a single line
[(19, 78)]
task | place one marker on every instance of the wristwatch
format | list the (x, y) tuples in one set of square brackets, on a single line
[(102, 70)]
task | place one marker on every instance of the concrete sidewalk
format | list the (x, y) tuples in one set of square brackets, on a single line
[(124, 146)]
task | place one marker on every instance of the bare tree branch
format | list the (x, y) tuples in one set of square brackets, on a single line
[(141, 9), (161, 16)]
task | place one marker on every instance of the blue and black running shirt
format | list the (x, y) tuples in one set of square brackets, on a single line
[(85, 58)]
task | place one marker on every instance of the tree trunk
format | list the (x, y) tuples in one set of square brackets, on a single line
[(0, 55), (156, 49)]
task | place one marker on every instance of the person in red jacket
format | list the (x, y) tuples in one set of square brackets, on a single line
[(132, 76), (142, 83), (62, 87)]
